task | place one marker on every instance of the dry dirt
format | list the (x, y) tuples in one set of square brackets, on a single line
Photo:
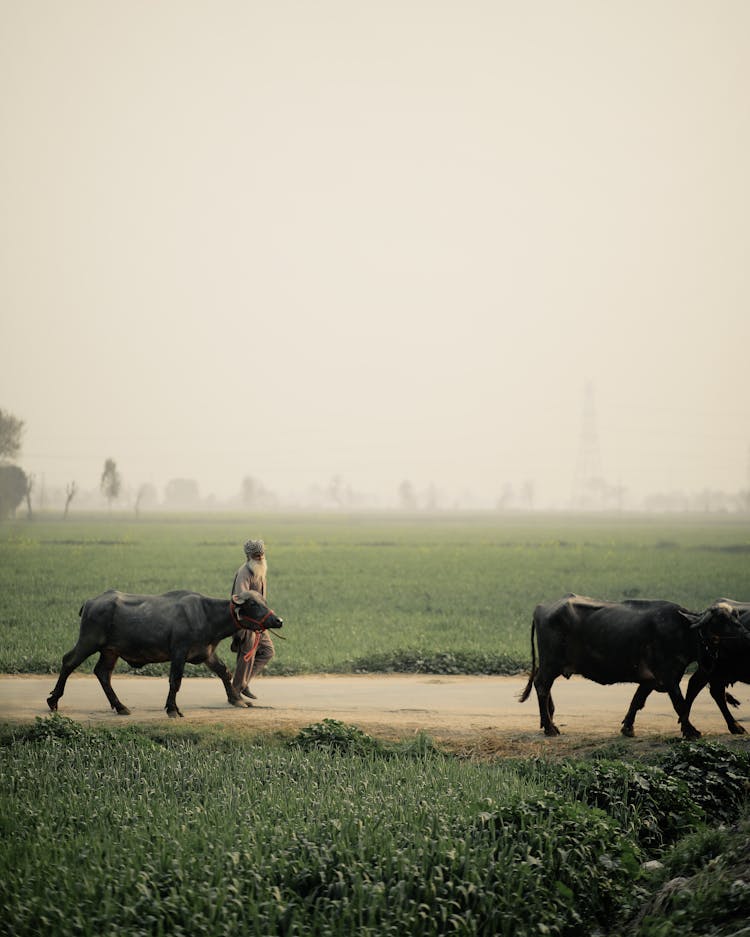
[(480, 715)]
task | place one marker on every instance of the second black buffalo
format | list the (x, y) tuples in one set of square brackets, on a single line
[(648, 642)]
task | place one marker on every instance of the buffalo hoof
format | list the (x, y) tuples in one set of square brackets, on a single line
[(628, 732), (551, 731), (123, 711), (52, 703), (691, 733), (174, 713), (737, 729), (239, 702)]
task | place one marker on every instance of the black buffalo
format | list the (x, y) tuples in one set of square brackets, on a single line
[(730, 664), (638, 641), (180, 627)]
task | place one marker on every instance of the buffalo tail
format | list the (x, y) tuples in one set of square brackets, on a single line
[(527, 690)]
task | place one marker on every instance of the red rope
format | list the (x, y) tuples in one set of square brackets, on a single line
[(251, 653)]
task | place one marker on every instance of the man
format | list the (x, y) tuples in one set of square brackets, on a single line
[(252, 574)]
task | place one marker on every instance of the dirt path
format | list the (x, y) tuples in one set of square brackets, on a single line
[(477, 713)]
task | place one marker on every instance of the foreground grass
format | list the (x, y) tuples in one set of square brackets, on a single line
[(448, 594), (331, 832), (703, 887)]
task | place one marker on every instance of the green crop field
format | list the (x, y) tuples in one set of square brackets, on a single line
[(366, 592), (181, 830), (122, 832)]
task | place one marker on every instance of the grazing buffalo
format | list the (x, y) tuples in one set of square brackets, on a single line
[(636, 641), (180, 626), (731, 664)]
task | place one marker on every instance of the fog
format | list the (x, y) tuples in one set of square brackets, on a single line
[(475, 246)]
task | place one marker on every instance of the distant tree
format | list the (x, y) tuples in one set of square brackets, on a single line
[(407, 496), (13, 487), (254, 494), (145, 496), (27, 494), (527, 494), (617, 495), (248, 491), (71, 490), (506, 498), (181, 493), (11, 430), (111, 482), (336, 490), (431, 498)]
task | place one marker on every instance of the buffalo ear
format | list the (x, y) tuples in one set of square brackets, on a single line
[(238, 599)]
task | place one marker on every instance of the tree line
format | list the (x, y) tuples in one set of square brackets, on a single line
[(16, 485)]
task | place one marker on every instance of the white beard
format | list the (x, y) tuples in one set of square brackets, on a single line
[(258, 568)]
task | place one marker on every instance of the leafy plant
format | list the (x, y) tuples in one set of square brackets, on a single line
[(573, 864), (717, 777), (335, 736), (55, 728), (653, 804), (458, 662)]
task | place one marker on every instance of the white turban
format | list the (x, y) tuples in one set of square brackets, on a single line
[(254, 548)]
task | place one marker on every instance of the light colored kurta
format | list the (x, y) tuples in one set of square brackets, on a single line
[(252, 575)]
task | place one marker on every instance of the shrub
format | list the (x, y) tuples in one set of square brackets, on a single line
[(717, 777), (335, 736), (55, 728), (447, 662), (572, 865), (652, 804)]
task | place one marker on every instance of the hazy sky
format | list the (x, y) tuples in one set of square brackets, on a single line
[(381, 240)]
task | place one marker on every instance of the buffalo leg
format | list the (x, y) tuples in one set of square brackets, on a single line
[(695, 684), (104, 668), (636, 704), (543, 686), (176, 670), (74, 658), (719, 693), (680, 707), (217, 666)]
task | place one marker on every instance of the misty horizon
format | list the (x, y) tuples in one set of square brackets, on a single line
[(414, 242)]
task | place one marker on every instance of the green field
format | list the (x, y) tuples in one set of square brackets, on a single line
[(366, 592), (183, 830), (130, 832)]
